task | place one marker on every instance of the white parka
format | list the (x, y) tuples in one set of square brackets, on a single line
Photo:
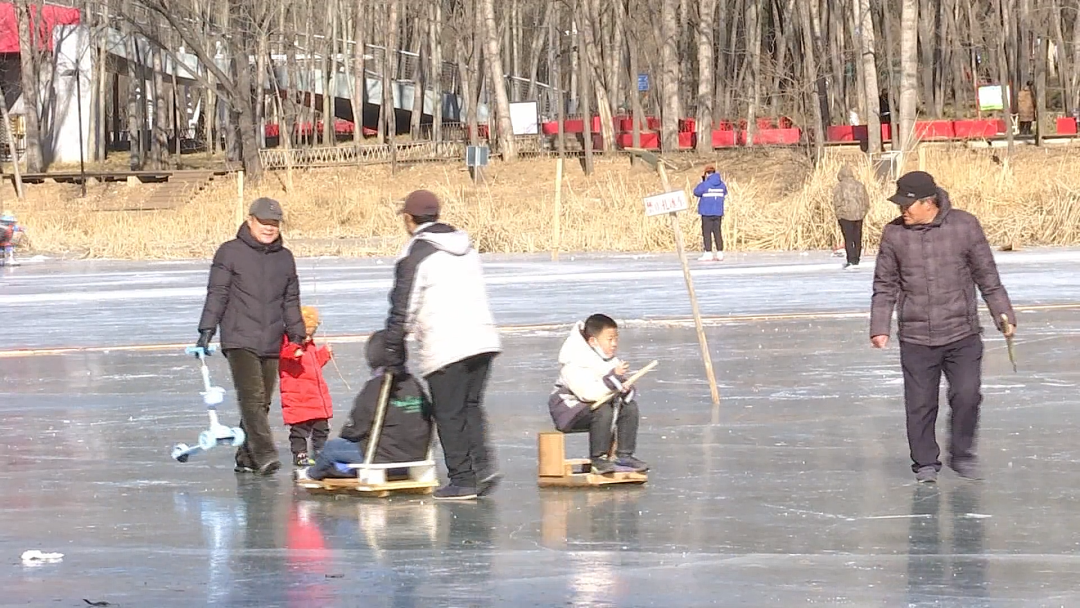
[(440, 298)]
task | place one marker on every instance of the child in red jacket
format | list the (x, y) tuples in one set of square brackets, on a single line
[(305, 397)]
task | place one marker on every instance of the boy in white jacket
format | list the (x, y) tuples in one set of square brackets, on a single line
[(589, 371)]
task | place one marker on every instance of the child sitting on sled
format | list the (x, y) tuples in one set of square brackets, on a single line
[(589, 372), (406, 428), (305, 396)]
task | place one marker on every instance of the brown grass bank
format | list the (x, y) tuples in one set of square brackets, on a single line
[(777, 202)]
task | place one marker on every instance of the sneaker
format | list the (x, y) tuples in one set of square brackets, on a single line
[(968, 469), (630, 462), (301, 474), (602, 466), (719, 256), (839, 253), (302, 460), (707, 257), (452, 492), (926, 475), (487, 484), (269, 468)]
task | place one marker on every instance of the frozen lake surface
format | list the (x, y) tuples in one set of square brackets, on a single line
[(796, 491)]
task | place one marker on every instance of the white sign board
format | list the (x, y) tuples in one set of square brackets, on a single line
[(990, 97), (524, 119), (668, 202)]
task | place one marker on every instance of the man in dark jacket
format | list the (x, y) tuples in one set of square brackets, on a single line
[(254, 296), (406, 430), (439, 296), (930, 261)]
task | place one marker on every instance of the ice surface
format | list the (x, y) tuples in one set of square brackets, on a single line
[(798, 494)]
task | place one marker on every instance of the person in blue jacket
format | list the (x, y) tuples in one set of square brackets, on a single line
[(711, 191)]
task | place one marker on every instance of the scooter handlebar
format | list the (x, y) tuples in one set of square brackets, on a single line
[(200, 351)]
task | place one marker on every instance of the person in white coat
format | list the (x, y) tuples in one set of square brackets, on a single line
[(590, 371), (439, 296)]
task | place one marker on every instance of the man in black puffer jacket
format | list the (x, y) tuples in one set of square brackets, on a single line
[(254, 295), (929, 264)]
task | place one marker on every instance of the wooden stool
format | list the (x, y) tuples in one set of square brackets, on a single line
[(556, 470)]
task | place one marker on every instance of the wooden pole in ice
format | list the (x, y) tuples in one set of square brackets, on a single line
[(658, 163)]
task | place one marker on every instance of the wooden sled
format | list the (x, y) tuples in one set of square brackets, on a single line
[(382, 479), (555, 470)]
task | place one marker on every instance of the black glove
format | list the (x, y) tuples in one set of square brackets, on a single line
[(205, 335)]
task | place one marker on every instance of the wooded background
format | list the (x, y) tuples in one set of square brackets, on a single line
[(814, 61)]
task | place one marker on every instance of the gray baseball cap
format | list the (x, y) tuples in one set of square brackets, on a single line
[(266, 209)]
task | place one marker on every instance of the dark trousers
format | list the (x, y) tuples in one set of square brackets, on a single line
[(598, 423), (318, 430), (710, 230), (457, 393), (962, 363), (254, 378), (1025, 127), (852, 230)]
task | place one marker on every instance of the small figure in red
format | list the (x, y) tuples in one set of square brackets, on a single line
[(305, 396)]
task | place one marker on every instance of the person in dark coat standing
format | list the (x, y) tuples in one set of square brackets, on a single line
[(254, 296), (851, 204), (930, 261)]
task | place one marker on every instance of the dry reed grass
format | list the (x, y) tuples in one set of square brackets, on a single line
[(777, 202)]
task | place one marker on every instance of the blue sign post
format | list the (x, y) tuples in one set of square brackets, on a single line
[(642, 83)]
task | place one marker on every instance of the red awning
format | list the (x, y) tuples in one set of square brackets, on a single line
[(52, 16)]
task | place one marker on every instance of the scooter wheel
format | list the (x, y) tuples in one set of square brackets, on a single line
[(179, 452), (207, 440), (238, 436)]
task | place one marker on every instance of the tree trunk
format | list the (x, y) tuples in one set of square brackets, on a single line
[(17, 173), (1003, 75), (753, 35), (356, 68), (593, 64), (159, 142), (810, 69), (909, 76), (1042, 49), (420, 82), (389, 76), (498, 82), (100, 134), (329, 76), (556, 65), (135, 106), (870, 76), (1062, 57), (669, 77), (706, 76), (437, 70), (31, 88), (584, 81)]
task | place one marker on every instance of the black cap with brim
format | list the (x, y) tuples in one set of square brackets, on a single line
[(266, 209), (913, 187)]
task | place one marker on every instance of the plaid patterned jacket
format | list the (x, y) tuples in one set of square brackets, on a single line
[(929, 272)]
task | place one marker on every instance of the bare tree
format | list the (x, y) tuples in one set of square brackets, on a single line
[(31, 86), (669, 74), (909, 76), (870, 75), (706, 75), (498, 81)]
